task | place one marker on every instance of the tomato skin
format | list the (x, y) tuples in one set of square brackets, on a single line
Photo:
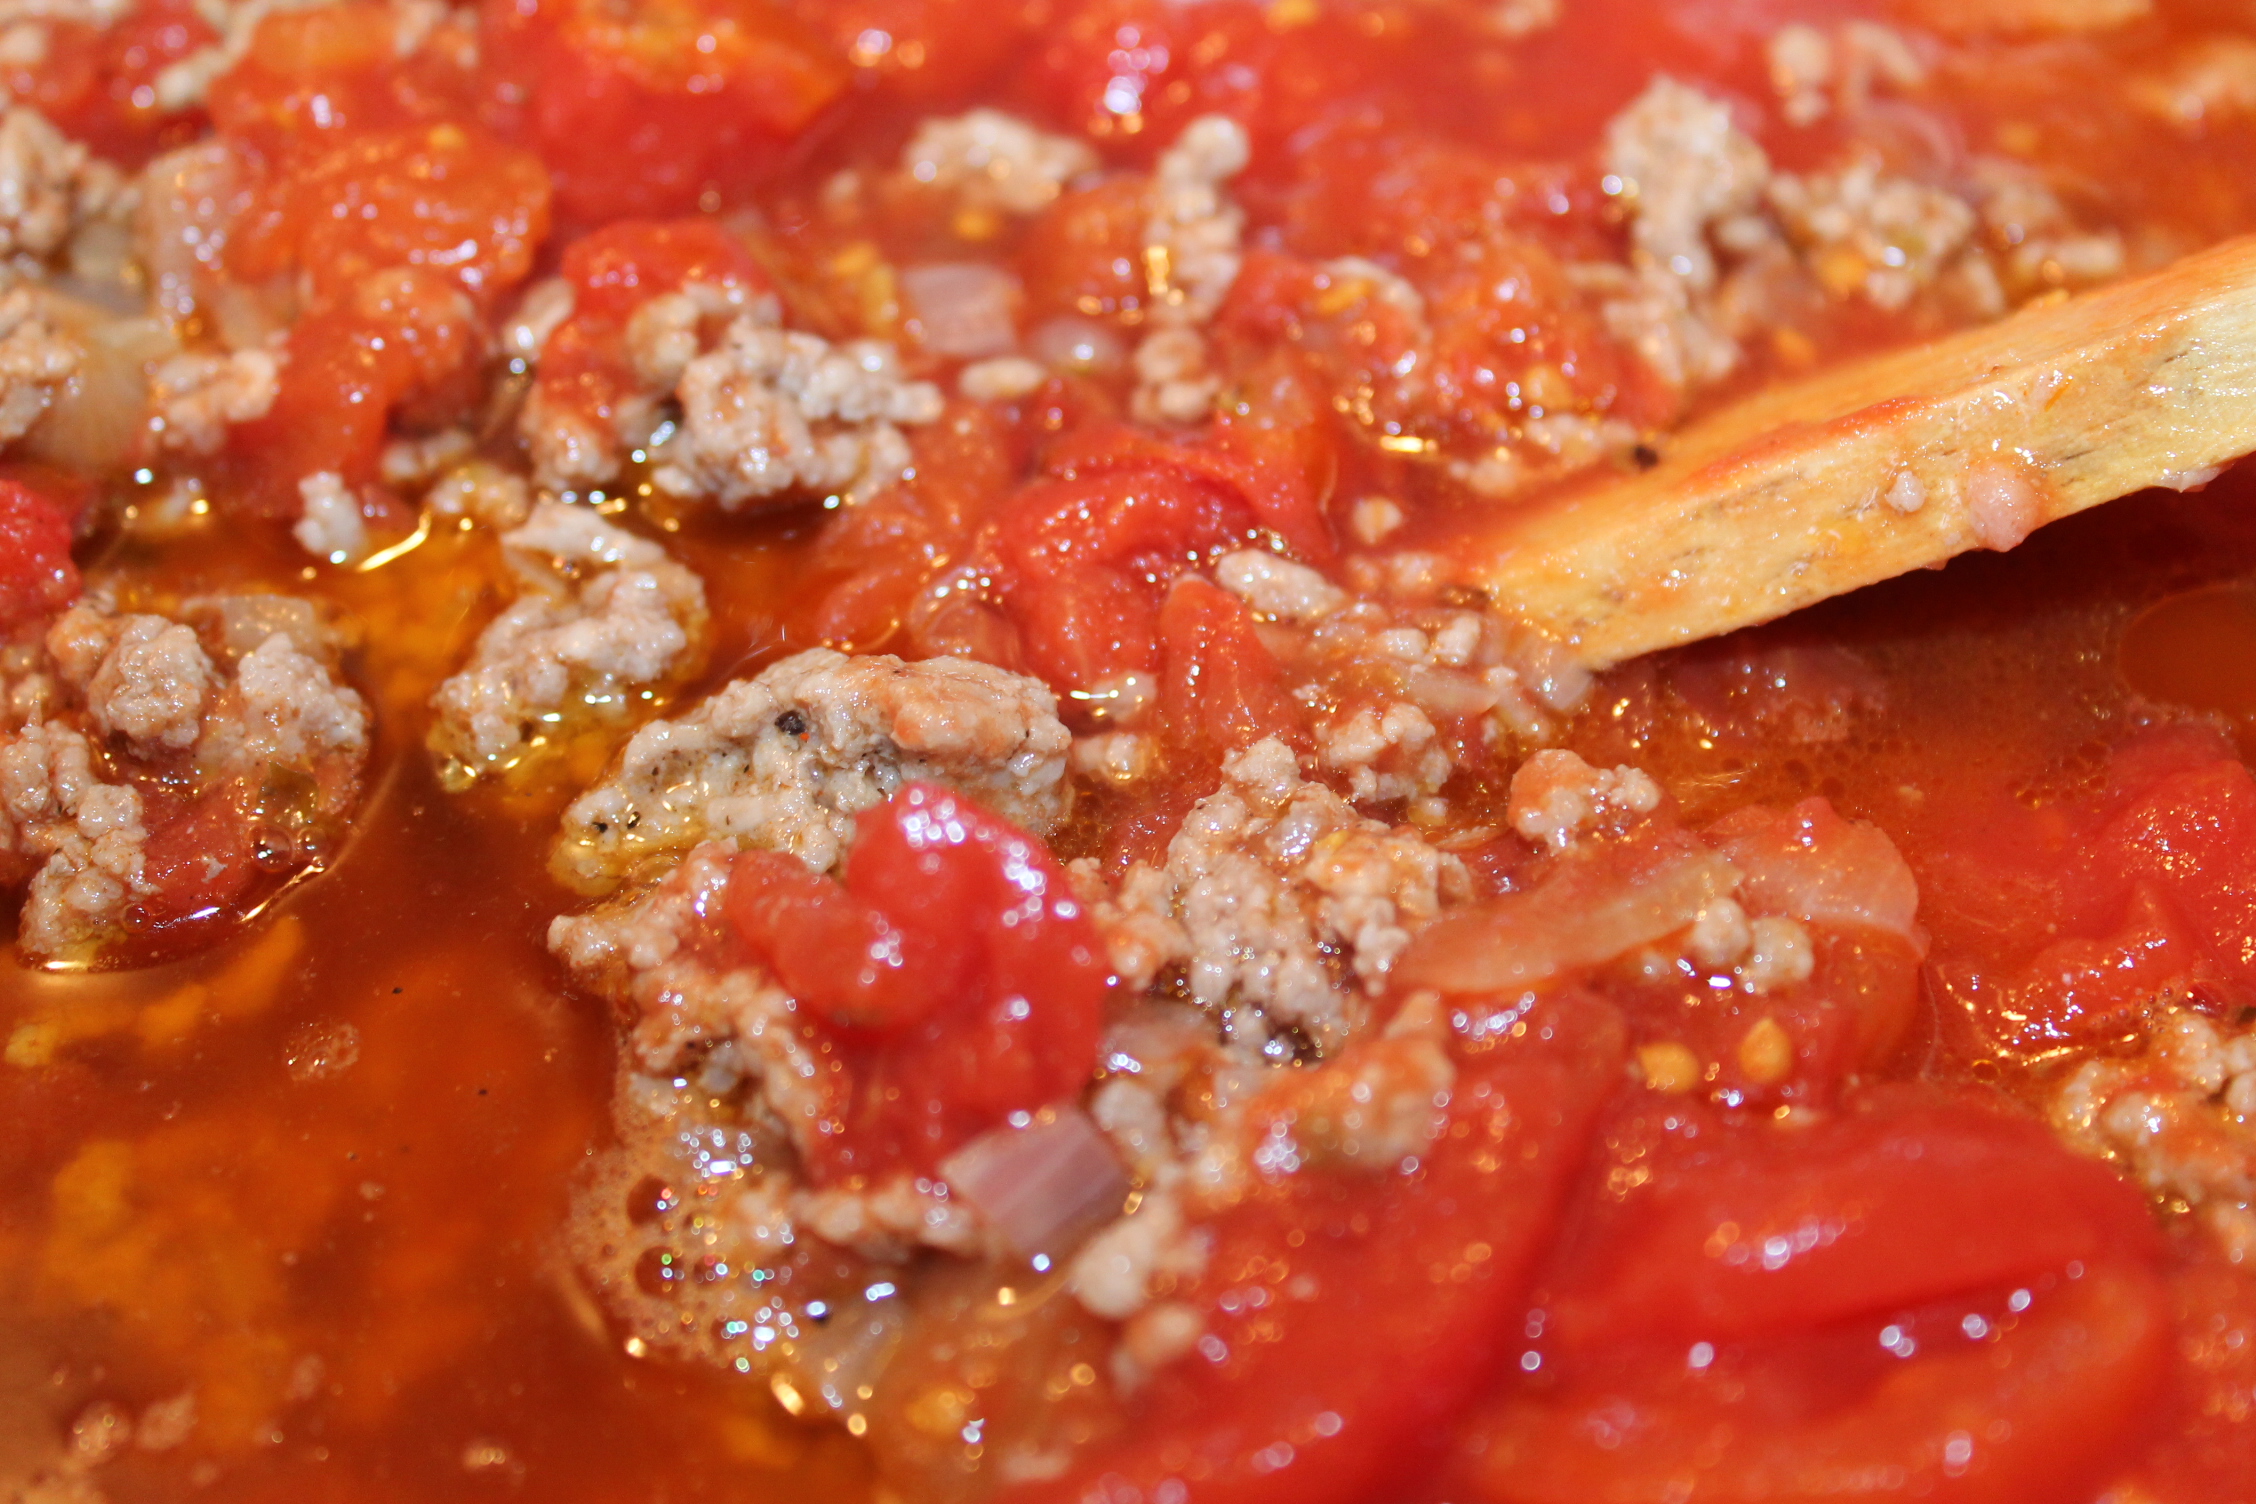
[(1381, 1302), (640, 113), (2042, 1414), (37, 575), (1006, 1019), (1907, 1203)]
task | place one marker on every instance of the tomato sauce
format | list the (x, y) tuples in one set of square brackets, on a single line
[(299, 1177)]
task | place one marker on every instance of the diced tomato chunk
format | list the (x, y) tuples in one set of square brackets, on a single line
[(1221, 688), (2097, 902), (1750, 1231), (98, 83), (440, 199), (1087, 556), (641, 110), (953, 976), (404, 334), (2035, 1398), (37, 576), (1921, 1297), (1348, 1316), (318, 72), (921, 50)]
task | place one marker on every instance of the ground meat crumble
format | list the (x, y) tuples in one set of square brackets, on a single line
[(603, 621), (786, 759), (111, 702)]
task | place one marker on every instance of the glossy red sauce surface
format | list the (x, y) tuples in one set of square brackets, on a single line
[(317, 1175)]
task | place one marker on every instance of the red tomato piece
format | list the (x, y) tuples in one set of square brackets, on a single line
[(99, 83), (843, 956), (1086, 558), (2193, 837), (1005, 1019), (1346, 1316), (2099, 900), (639, 111), (311, 74), (37, 577), (1743, 1233), (405, 334), (1220, 690), (926, 51), (440, 199), (2038, 1409)]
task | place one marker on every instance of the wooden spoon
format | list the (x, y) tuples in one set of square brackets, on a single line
[(1895, 463)]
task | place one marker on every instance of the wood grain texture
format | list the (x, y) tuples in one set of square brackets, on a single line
[(1785, 499)]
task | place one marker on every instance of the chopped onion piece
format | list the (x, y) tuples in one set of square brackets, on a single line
[(966, 309), (1588, 910), (1810, 864), (1044, 1187)]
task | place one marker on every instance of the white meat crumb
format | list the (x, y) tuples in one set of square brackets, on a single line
[(1386, 753), (1116, 757), (992, 160), (332, 527), (540, 313), (2180, 1116), (1720, 934), (143, 678), (1004, 378), (193, 397), (602, 617), (1778, 955), (408, 464), (2207, 83), (1174, 384), (1278, 587), (147, 686), (49, 185), (1192, 240), (1557, 798), (774, 411), (888, 1219), (35, 361), (1685, 168), (81, 838), (786, 759), (283, 707), (481, 492), (1816, 72), (1866, 231), (1269, 879), (1113, 1273)]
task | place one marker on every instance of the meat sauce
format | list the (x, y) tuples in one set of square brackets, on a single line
[(786, 790)]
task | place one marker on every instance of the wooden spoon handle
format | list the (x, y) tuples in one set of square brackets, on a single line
[(1896, 463)]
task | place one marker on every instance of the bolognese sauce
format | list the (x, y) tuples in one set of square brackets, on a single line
[(751, 749)]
